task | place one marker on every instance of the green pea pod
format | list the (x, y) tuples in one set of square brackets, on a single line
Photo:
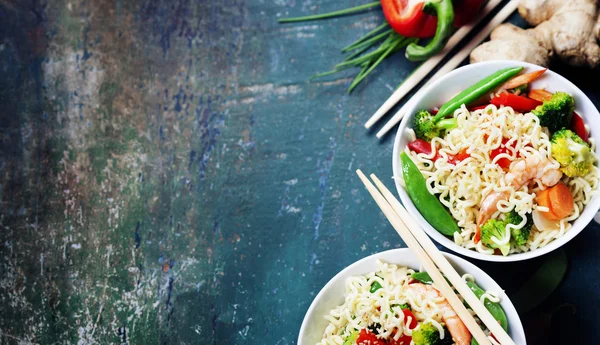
[(476, 91), (494, 308), (422, 277), (445, 16), (428, 204)]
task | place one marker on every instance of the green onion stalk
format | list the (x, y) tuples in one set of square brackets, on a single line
[(367, 52)]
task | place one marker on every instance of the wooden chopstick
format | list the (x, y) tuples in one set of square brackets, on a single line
[(421, 72), (440, 283), (498, 19), (444, 266)]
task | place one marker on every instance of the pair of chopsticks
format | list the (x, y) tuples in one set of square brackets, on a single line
[(435, 263), (422, 71)]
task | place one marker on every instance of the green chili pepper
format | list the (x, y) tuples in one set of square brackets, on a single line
[(494, 308), (476, 91), (375, 286), (445, 22), (428, 204)]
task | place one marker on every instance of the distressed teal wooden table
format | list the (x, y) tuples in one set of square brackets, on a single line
[(170, 176)]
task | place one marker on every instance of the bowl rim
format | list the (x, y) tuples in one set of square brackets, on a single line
[(515, 325), (443, 240)]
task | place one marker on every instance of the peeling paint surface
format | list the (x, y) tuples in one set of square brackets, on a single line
[(169, 174)]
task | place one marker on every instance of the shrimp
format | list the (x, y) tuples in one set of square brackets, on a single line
[(459, 332), (523, 171)]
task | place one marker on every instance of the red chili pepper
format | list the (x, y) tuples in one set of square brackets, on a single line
[(518, 103), (413, 22), (504, 163), (367, 338), (578, 126)]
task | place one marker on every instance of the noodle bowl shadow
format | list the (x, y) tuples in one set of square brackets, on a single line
[(454, 82), (332, 294)]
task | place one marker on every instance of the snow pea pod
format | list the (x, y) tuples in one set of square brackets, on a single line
[(494, 308), (478, 90), (428, 204)]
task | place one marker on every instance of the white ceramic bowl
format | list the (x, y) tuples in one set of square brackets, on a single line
[(454, 82), (332, 294)]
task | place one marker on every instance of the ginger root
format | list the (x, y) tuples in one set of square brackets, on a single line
[(569, 30)]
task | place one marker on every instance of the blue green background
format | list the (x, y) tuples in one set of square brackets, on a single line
[(170, 175)]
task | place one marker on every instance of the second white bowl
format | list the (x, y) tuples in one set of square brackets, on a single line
[(332, 294)]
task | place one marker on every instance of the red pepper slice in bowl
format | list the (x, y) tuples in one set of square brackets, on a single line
[(518, 103), (504, 163), (578, 126)]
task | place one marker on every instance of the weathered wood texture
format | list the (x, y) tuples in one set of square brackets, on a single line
[(170, 176)]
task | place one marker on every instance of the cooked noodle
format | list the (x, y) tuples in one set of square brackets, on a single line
[(363, 308), (462, 187)]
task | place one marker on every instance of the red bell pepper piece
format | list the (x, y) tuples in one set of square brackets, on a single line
[(504, 163), (578, 126), (408, 19), (420, 146), (477, 107), (518, 103), (459, 157), (405, 339), (367, 338)]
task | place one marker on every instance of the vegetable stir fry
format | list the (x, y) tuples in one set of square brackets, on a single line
[(503, 168)]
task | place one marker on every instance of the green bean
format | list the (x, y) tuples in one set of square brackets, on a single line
[(428, 204), (476, 91), (494, 308)]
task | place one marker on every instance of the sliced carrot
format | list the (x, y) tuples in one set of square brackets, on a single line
[(523, 79), (561, 200), (543, 199), (540, 95)]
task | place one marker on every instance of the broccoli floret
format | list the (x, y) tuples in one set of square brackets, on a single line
[(495, 228), (426, 129), (556, 112), (520, 236), (427, 334), (351, 339), (573, 154)]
